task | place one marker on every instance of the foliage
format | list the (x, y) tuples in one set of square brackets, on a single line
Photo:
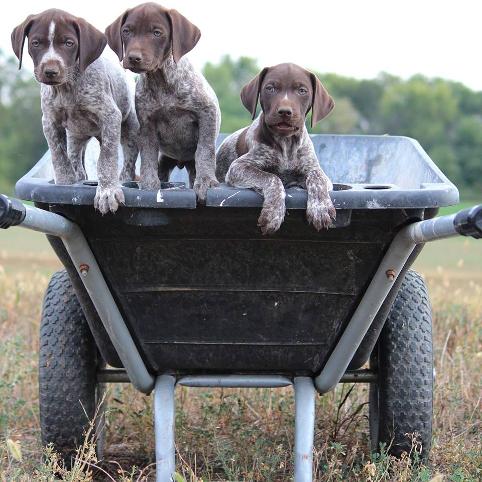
[(445, 116), (21, 138)]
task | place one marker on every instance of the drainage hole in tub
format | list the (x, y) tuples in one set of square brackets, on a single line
[(341, 187), (173, 185), (90, 183), (164, 185), (377, 187)]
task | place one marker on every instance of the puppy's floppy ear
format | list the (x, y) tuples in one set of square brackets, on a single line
[(184, 34), (322, 103), (114, 35), (250, 92), (91, 42), (18, 37)]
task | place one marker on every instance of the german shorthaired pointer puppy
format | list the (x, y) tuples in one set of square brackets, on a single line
[(178, 111), (82, 96), (276, 150)]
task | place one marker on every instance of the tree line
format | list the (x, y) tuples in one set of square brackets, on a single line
[(444, 116)]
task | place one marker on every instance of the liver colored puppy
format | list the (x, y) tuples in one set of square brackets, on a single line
[(178, 111), (276, 149), (83, 96)]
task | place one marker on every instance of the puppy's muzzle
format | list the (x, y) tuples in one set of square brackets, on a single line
[(50, 73), (135, 61)]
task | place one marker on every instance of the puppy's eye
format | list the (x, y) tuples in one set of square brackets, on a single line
[(302, 91), (69, 43), (269, 88), (126, 32), (35, 43), (157, 33)]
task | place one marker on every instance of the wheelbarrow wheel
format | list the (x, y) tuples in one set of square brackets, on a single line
[(400, 408), (69, 395)]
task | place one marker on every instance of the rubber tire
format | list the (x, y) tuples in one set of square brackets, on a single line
[(68, 361), (401, 402)]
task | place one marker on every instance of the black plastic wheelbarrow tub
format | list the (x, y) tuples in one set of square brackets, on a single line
[(202, 291)]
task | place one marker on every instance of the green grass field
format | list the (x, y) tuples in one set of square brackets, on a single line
[(240, 434)]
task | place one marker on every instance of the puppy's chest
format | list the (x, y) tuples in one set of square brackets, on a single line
[(76, 118), (284, 163), (284, 159), (176, 125)]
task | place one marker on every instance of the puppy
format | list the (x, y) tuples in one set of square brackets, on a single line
[(178, 111), (276, 149), (82, 96)]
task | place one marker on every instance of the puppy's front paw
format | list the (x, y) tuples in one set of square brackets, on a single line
[(271, 217), (108, 198), (201, 186), (321, 213)]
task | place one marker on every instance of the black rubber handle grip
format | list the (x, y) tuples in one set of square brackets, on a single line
[(12, 212), (469, 222)]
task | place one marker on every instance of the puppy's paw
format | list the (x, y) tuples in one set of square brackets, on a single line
[(321, 213), (201, 186), (66, 178), (271, 217), (108, 198), (150, 184)]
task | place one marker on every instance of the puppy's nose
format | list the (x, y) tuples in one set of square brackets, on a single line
[(51, 73), (135, 57), (285, 111)]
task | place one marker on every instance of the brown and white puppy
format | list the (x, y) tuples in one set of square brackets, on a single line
[(276, 150), (178, 111), (82, 96)]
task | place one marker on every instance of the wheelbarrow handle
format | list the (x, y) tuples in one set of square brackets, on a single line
[(12, 212), (468, 222)]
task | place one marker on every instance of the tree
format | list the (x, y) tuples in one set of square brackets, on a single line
[(21, 137), (468, 146), (419, 108), (227, 78)]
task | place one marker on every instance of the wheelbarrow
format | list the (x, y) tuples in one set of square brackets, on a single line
[(165, 292)]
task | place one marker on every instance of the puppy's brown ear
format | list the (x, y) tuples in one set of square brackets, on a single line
[(184, 34), (18, 37), (250, 93), (114, 35), (92, 43), (322, 103)]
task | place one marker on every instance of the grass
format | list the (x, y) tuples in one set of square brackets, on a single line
[(240, 434)]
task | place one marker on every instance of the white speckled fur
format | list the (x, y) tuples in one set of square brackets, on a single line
[(187, 125), (268, 170), (96, 103)]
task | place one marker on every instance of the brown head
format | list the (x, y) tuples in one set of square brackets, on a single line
[(57, 41), (286, 93), (143, 37)]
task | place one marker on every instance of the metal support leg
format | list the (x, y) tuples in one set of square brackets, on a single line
[(164, 419), (304, 428)]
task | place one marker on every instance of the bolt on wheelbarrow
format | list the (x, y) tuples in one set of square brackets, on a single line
[(166, 293)]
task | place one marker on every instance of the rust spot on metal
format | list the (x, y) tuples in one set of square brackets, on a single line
[(390, 274), (84, 269)]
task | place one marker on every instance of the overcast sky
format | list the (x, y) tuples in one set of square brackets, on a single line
[(359, 38)]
